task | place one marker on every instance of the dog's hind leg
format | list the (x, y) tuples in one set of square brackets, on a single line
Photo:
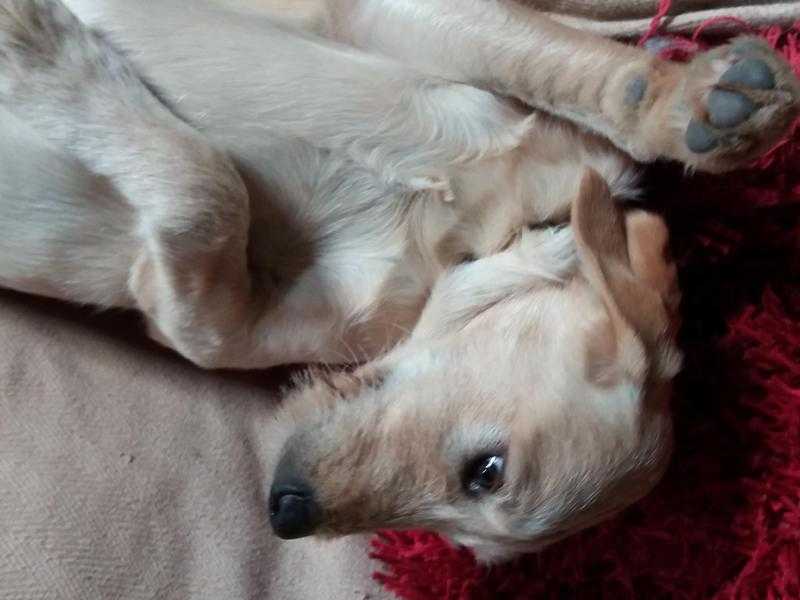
[(189, 208), (716, 113), (66, 232)]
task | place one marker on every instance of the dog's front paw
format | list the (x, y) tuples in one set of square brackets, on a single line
[(737, 101)]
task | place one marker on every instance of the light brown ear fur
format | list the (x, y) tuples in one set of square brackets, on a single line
[(648, 252), (624, 259)]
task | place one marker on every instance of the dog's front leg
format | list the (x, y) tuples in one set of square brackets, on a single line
[(716, 113), (240, 79)]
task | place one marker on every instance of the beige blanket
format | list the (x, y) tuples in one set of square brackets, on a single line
[(127, 473), (628, 18)]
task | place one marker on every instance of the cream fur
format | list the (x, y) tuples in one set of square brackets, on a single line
[(366, 181)]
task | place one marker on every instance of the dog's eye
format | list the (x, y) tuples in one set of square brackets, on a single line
[(484, 475)]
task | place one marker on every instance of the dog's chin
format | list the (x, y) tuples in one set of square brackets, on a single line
[(491, 552)]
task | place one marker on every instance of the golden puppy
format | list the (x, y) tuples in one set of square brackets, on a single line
[(388, 183)]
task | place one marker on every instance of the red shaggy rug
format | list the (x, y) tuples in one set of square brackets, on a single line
[(725, 522)]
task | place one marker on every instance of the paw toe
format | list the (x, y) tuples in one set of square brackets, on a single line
[(700, 138), (729, 109), (752, 73), (749, 45), (635, 91)]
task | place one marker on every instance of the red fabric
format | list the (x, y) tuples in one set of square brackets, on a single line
[(655, 24), (725, 522)]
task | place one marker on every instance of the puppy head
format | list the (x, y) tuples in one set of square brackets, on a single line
[(529, 402)]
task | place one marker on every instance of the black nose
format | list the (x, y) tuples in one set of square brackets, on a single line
[(293, 511)]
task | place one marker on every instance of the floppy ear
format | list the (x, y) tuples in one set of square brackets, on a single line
[(624, 258), (649, 255)]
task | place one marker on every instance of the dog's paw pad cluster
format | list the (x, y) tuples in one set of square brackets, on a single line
[(748, 107)]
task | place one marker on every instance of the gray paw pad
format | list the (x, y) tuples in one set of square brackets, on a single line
[(657, 44), (635, 90), (729, 109), (700, 138), (751, 73), (750, 46)]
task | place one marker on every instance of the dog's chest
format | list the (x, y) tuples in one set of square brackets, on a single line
[(334, 244)]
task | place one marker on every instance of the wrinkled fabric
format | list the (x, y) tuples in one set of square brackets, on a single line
[(631, 18), (127, 473)]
